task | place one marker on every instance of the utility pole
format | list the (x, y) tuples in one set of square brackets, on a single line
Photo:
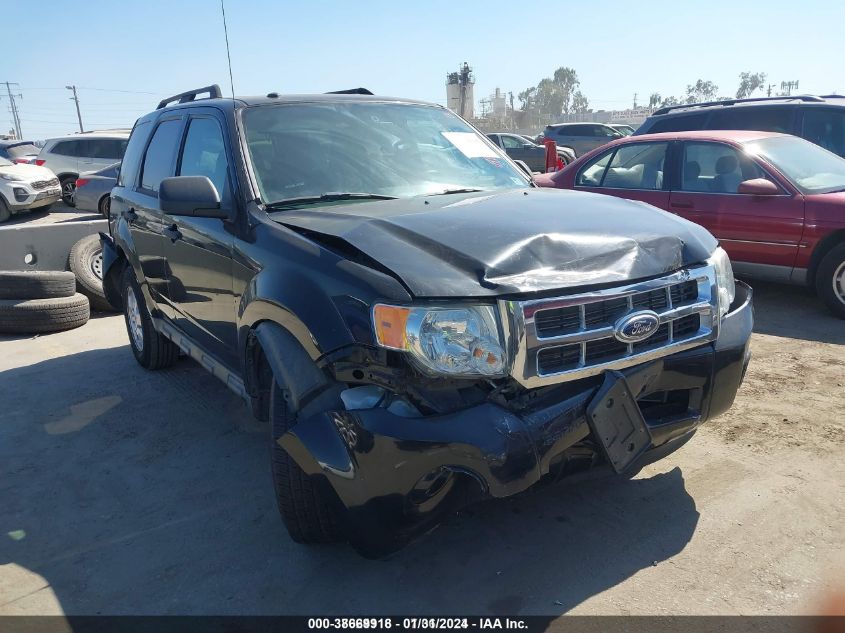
[(14, 108), (635, 101), (464, 76), (513, 118), (769, 91), (76, 100)]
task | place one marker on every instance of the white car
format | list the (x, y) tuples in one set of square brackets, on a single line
[(69, 156), (26, 187)]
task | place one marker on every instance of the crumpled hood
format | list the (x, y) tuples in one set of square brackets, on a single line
[(516, 241)]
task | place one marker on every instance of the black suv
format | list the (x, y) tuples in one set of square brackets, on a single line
[(820, 120), (419, 325)]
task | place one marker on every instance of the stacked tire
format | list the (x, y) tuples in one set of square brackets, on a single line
[(34, 301)]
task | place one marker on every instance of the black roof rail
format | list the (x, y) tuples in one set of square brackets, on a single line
[(350, 91), (185, 97), (833, 96), (729, 102)]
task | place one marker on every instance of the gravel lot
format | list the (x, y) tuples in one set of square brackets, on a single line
[(59, 212), (127, 492)]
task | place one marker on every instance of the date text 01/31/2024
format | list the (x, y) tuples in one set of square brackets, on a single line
[(386, 623)]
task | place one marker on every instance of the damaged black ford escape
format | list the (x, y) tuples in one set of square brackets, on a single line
[(420, 326)]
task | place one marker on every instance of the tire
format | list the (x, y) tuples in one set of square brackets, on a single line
[(5, 214), (68, 190), (86, 263), (104, 207), (32, 316), (36, 284), (830, 280), (151, 349), (305, 509)]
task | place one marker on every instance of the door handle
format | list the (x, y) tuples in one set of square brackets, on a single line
[(173, 233), (130, 215), (681, 205)]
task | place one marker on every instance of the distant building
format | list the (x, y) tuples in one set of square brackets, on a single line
[(459, 92)]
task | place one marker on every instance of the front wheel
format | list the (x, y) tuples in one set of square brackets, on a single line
[(305, 508), (830, 280), (105, 206), (151, 349)]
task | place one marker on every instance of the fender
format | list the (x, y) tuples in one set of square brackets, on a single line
[(112, 267)]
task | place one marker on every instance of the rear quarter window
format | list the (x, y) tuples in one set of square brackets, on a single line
[(764, 119), (128, 174), (681, 123)]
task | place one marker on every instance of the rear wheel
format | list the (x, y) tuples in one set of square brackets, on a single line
[(830, 280), (305, 508), (105, 206), (68, 190), (151, 349)]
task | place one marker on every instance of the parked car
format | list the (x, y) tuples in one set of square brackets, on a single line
[(418, 324), (26, 187), (72, 155), (581, 137), (623, 128), (519, 147), (775, 202), (820, 120), (19, 151), (93, 189)]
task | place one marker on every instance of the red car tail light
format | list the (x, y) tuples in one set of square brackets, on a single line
[(40, 161), (81, 182)]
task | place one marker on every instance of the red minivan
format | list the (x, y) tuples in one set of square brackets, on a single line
[(775, 202)]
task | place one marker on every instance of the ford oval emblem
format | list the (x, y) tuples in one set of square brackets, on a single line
[(636, 327)]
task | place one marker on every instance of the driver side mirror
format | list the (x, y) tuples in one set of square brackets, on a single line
[(758, 187), (194, 196)]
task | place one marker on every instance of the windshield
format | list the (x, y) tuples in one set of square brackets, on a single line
[(19, 151), (384, 149), (810, 168)]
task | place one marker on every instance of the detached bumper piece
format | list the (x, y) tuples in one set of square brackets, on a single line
[(394, 477)]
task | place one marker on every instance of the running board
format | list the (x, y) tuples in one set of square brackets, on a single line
[(211, 364)]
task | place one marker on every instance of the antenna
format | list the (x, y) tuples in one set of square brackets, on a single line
[(228, 56)]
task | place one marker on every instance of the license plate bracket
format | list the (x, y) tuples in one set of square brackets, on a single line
[(617, 422)]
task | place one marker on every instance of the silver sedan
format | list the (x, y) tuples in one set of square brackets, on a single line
[(94, 188)]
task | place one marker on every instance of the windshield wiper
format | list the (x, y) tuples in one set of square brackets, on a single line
[(446, 192), (329, 196)]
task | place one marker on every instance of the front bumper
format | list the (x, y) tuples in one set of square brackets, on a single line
[(394, 477), (25, 198)]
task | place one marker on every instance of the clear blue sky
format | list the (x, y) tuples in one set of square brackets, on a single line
[(400, 48)]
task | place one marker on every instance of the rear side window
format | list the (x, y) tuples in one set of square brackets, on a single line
[(591, 174), (108, 148), (573, 130), (679, 124), (752, 118), (128, 175), (637, 166), (825, 127), (161, 154)]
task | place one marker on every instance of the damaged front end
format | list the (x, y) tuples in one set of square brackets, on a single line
[(409, 445)]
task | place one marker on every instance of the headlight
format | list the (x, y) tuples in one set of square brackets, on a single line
[(725, 284), (459, 340), (11, 177)]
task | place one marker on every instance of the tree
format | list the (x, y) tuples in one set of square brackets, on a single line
[(580, 103), (527, 99), (565, 79), (701, 91), (653, 100), (749, 83), (669, 101)]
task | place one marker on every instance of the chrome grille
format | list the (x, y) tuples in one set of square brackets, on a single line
[(43, 184), (564, 338)]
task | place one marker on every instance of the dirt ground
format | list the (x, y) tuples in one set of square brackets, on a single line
[(129, 492)]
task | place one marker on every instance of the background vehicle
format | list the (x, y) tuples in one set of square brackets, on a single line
[(381, 288), (623, 128), (820, 120), (776, 202), (25, 187), (93, 189), (72, 155), (519, 147), (581, 137), (19, 151)]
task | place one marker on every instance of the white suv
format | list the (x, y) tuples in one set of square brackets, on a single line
[(25, 187), (69, 156)]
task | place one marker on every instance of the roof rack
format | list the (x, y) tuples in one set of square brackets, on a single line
[(186, 97), (729, 102), (350, 91), (833, 96)]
